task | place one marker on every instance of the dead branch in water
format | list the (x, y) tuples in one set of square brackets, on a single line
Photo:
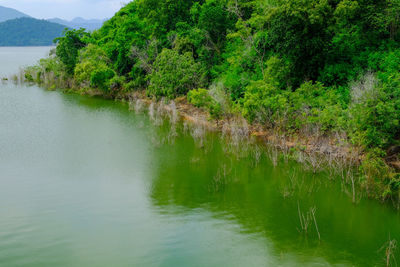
[(390, 248), (306, 219)]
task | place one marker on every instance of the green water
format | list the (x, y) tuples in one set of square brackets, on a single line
[(86, 182)]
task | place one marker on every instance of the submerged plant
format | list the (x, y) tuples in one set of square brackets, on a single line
[(273, 155), (173, 113), (306, 219), (221, 179), (390, 248), (137, 105), (155, 113), (236, 136), (198, 132), (256, 154)]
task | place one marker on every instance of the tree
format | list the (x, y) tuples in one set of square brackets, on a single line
[(162, 16), (299, 30), (175, 74), (90, 58), (68, 47)]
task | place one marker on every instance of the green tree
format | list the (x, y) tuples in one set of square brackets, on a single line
[(175, 74), (91, 58), (101, 78), (69, 45), (299, 30), (119, 34)]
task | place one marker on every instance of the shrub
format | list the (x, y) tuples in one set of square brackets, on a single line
[(100, 78), (28, 77), (311, 103), (117, 82), (375, 113), (278, 72), (174, 74), (215, 110), (199, 97), (91, 58), (262, 102)]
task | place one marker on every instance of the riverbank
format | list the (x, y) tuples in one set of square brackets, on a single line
[(89, 163), (308, 93), (330, 146), (370, 176)]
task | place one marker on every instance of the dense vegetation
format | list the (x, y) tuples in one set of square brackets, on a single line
[(301, 67), (29, 32)]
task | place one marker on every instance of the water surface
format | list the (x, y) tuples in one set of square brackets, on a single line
[(86, 182)]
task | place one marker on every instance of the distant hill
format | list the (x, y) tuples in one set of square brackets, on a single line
[(76, 23), (29, 32), (9, 13)]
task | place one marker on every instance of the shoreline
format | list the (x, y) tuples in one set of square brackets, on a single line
[(321, 145), (318, 153)]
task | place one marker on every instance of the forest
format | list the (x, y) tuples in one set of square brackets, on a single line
[(300, 67)]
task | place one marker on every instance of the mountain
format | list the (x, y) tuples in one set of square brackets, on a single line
[(76, 23), (9, 13), (29, 32)]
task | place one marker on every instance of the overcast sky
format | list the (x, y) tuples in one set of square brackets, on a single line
[(66, 9)]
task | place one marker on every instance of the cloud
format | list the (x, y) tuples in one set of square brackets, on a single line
[(66, 9)]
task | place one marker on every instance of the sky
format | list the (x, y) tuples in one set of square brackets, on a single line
[(66, 9)]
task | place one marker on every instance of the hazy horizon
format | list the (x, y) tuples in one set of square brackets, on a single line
[(65, 9)]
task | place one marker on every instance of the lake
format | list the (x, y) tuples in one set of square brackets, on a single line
[(87, 182)]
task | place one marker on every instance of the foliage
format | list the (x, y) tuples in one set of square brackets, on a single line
[(289, 64), (118, 35), (117, 83), (300, 66), (101, 78), (68, 47), (91, 58), (199, 97), (299, 30), (375, 115), (174, 74)]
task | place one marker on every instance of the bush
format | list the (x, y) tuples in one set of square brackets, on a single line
[(278, 72), (263, 102), (316, 105), (31, 72), (375, 113), (199, 97), (311, 104), (174, 74), (28, 77), (91, 58), (215, 110), (131, 86), (52, 64), (100, 78), (117, 83)]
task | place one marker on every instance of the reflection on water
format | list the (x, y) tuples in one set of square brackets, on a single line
[(254, 199), (85, 182)]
